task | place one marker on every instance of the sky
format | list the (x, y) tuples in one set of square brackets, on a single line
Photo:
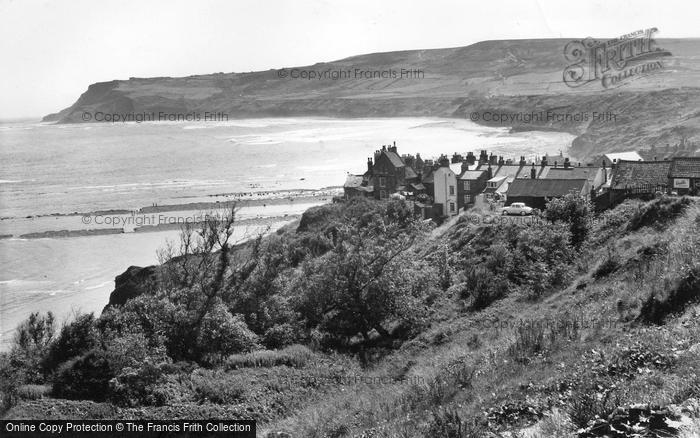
[(52, 50)]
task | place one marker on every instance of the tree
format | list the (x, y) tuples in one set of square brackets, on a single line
[(363, 282), (575, 210)]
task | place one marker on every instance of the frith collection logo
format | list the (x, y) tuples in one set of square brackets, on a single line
[(613, 62)]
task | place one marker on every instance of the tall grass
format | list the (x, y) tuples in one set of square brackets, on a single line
[(295, 356)]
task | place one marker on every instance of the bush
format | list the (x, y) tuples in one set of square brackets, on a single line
[(574, 210), (31, 343), (218, 387), (656, 308), (280, 335), (85, 377), (222, 333), (658, 212), (609, 265), (75, 339), (141, 385), (483, 288)]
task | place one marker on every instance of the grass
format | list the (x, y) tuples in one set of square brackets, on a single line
[(293, 356)]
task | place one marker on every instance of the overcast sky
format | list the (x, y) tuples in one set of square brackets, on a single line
[(52, 50)]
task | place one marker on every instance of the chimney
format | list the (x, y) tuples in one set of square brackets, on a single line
[(605, 172), (489, 172), (544, 161), (501, 162), (533, 172), (444, 161), (493, 159), (555, 164), (465, 166), (483, 157), (471, 159), (369, 164), (522, 161), (567, 164)]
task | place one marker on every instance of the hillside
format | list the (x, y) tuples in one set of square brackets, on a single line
[(359, 321), (514, 75)]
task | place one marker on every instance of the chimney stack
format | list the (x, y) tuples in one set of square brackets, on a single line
[(567, 164), (471, 159), (501, 162), (369, 164), (522, 162), (533, 172)]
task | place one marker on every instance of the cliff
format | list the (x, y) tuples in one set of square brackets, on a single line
[(513, 75)]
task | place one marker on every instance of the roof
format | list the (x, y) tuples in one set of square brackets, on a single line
[(540, 188), (456, 168), (634, 173), (472, 174), (353, 181), (410, 173), (428, 176), (418, 186), (396, 161), (685, 167), (507, 170), (588, 173), (626, 156)]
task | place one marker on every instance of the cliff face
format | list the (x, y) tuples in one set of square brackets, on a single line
[(131, 283), (516, 75)]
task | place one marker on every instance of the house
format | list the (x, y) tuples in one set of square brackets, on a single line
[(536, 192), (684, 175), (388, 173), (595, 176), (503, 175), (610, 159), (444, 183), (647, 176), (469, 185), (356, 185)]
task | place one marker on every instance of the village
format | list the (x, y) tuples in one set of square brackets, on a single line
[(444, 187)]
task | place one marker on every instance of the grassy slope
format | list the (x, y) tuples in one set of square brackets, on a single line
[(514, 75), (485, 364), (505, 371)]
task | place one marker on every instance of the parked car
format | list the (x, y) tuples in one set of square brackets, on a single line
[(517, 208)]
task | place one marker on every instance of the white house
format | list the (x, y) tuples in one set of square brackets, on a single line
[(445, 188)]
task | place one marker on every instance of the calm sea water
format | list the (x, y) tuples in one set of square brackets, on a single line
[(58, 169)]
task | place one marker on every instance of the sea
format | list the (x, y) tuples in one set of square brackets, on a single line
[(58, 181)]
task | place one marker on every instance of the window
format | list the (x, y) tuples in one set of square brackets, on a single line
[(452, 190), (466, 186), (467, 199), (452, 207), (382, 194), (382, 181)]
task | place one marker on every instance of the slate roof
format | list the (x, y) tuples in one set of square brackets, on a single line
[(472, 174), (396, 161), (510, 170), (588, 173), (685, 167), (410, 173), (540, 188), (635, 173)]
